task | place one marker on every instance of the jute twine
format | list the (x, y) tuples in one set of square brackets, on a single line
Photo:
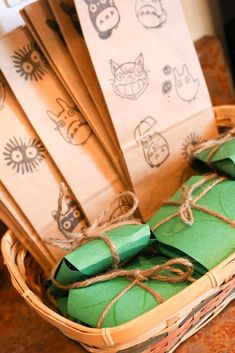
[(188, 202), (98, 229), (214, 144), (136, 278)]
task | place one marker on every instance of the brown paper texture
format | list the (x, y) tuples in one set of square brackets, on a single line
[(39, 19), (66, 17), (153, 86), (16, 221), (28, 173), (61, 127)]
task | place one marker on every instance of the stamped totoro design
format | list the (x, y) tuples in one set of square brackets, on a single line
[(2, 95), (71, 217), (155, 146), (29, 62), (70, 10), (122, 207), (24, 155), (104, 16), (186, 85), (71, 124), (150, 13), (130, 79)]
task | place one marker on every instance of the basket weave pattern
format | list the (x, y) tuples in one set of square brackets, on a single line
[(162, 329), (164, 337)]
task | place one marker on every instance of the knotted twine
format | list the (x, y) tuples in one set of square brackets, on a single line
[(188, 202), (226, 137), (137, 277), (98, 229)]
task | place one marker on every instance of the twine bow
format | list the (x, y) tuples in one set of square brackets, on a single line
[(185, 210), (137, 277), (98, 229), (188, 202), (226, 137)]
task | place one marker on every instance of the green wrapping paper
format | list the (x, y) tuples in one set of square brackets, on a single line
[(62, 306), (223, 159), (209, 240), (87, 304), (95, 256)]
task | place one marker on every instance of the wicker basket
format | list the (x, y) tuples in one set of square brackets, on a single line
[(161, 329)]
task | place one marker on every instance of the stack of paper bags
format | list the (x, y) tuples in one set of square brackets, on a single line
[(104, 101)]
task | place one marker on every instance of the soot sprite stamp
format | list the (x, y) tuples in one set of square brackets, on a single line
[(70, 124), (24, 156), (30, 62), (150, 13), (104, 16), (70, 11), (71, 216), (130, 79), (2, 95), (189, 144), (155, 146)]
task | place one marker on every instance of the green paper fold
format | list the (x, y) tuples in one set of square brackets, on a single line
[(95, 256), (62, 306), (209, 240), (223, 159), (87, 304)]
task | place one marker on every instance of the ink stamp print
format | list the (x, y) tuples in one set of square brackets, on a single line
[(189, 144), (186, 85), (130, 79), (24, 156), (71, 124), (104, 16), (150, 13), (30, 63), (71, 216), (181, 82), (155, 146)]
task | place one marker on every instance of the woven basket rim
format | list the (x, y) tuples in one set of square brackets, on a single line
[(209, 283)]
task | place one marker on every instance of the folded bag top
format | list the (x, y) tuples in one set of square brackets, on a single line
[(198, 222)]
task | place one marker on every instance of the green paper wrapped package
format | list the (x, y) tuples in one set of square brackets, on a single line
[(95, 256), (184, 226), (221, 157), (62, 306), (88, 304)]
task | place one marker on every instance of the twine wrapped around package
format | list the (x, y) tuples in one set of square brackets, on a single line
[(214, 144), (188, 203), (137, 278), (98, 229)]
